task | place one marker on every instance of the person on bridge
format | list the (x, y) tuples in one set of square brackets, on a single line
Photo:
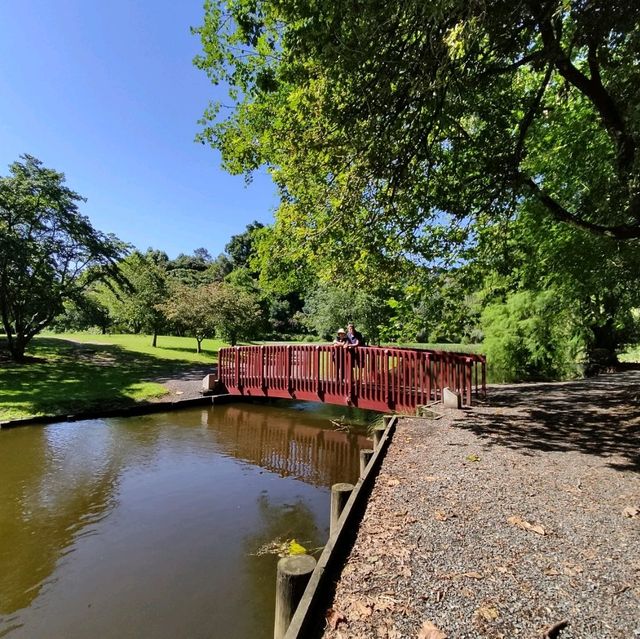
[(341, 338), (339, 356), (354, 337)]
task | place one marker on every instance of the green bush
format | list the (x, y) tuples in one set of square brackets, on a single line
[(532, 336)]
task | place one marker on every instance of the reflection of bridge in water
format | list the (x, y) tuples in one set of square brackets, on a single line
[(382, 379), (282, 443)]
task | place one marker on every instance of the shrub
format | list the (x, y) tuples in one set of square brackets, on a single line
[(533, 336)]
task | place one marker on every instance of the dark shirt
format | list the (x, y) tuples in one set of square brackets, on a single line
[(355, 338)]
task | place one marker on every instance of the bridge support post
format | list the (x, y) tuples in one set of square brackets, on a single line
[(340, 494), (292, 578)]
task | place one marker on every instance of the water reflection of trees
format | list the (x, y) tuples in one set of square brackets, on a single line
[(285, 444), (57, 482)]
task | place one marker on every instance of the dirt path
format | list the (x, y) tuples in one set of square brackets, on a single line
[(514, 519)]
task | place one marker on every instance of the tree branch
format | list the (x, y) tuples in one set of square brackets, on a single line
[(592, 88), (619, 232)]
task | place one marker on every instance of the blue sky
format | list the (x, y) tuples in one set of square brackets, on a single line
[(106, 93)]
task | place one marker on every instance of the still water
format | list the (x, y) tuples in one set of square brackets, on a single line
[(149, 526)]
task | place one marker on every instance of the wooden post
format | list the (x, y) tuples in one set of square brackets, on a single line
[(365, 456), (292, 578), (340, 493), (378, 432)]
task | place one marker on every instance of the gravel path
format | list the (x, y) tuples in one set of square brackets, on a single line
[(518, 518), (184, 385)]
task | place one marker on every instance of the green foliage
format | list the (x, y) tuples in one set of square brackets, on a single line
[(530, 336), (230, 310), (83, 313), (192, 308), (378, 157), (241, 247), (236, 312), (332, 306), (49, 252), (134, 300)]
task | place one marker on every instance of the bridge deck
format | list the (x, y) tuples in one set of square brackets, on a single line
[(374, 378)]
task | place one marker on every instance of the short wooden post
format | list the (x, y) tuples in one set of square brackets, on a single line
[(365, 457), (378, 432), (340, 493), (291, 579)]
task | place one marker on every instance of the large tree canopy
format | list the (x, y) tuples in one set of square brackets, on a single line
[(381, 121), (49, 252)]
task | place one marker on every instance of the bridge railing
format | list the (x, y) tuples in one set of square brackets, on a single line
[(369, 377)]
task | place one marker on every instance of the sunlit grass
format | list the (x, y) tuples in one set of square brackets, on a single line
[(168, 347), (631, 354), (74, 373)]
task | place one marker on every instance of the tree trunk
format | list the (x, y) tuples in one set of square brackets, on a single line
[(17, 347), (154, 343), (199, 340)]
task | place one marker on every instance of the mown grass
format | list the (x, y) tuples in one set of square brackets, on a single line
[(454, 348), (631, 354), (73, 373)]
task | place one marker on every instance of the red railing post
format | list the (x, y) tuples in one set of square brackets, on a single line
[(287, 370), (317, 360), (348, 377)]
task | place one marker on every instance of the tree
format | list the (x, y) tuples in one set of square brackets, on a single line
[(241, 247), (398, 121), (330, 306), (193, 308), (133, 300), (49, 251), (230, 310), (236, 312)]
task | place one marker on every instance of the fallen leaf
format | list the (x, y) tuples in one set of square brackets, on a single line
[(393, 482), (335, 618), (631, 511), (572, 569), (473, 458), (365, 610), (518, 522), (429, 631), (473, 575), (440, 516), (487, 613)]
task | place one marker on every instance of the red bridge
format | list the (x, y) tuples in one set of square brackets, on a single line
[(383, 379)]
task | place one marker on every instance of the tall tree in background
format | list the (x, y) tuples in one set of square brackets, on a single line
[(49, 251)]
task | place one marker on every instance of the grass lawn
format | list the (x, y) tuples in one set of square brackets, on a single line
[(72, 373), (452, 348), (631, 354)]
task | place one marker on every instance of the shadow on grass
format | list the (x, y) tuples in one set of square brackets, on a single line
[(598, 416), (66, 377)]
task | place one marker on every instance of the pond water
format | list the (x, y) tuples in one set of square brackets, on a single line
[(152, 526)]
